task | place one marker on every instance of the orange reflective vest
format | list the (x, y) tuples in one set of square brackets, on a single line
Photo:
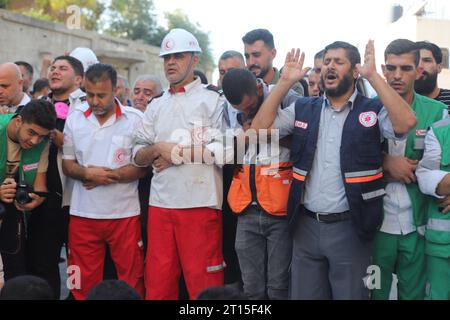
[(266, 185)]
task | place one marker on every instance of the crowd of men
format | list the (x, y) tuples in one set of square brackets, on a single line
[(288, 184)]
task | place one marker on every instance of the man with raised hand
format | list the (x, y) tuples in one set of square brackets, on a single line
[(335, 201)]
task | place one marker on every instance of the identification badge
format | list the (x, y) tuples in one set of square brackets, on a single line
[(301, 124), (421, 132), (29, 167)]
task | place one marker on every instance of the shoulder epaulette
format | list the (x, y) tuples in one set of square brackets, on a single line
[(156, 97), (214, 88)]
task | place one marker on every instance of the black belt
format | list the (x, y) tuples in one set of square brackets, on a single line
[(329, 217)]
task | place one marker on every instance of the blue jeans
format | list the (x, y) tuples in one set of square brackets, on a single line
[(264, 250)]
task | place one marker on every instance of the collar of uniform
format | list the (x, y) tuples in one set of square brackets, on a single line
[(77, 94), (350, 102), (416, 100), (25, 99), (119, 110), (189, 87), (179, 90)]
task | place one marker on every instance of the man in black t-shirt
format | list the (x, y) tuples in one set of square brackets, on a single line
[(50, 223), (431, 63)]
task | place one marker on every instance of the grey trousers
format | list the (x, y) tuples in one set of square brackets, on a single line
[(264, 248), (329, 261)]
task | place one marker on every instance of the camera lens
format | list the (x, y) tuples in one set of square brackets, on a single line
[(22, 196)]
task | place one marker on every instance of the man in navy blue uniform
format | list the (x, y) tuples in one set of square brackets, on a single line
[(335, 201)]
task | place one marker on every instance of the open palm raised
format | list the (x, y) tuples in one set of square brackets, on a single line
[(369, 68), (293, 70)]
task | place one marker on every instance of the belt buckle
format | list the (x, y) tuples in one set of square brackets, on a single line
[(318, 217)]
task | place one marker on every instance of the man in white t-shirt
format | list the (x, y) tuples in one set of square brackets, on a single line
[(104, 207)]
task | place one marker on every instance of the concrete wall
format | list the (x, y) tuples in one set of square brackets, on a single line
[(29, 39)]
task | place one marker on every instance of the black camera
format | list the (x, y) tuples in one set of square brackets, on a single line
[(23, 190), (22, 193)]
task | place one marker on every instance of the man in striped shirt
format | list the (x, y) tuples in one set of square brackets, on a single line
[(431, 63)]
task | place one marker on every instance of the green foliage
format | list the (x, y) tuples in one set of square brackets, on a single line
[(129, 19), (4, 4), (133, 19), (56, 10)]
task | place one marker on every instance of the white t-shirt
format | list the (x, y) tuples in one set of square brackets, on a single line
[(109, 145), (176, 118)]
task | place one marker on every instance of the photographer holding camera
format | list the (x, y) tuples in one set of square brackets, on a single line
[(23, 165)]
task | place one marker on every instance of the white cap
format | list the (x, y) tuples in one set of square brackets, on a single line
[(179, 40), (86, 56)]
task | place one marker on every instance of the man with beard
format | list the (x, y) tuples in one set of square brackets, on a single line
[(399, 245), (104, 208), (335, 200), (431, 63), (65, 76), (263, 243), (260, 52)]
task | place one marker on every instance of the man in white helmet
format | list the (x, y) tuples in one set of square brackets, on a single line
[(185, 218), (86, 56)]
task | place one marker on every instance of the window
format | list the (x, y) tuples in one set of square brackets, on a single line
[(445, 58)]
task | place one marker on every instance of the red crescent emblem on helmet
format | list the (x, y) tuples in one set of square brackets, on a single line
[(169, 44)]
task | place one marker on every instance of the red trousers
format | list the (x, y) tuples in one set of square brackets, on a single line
[(87, 243), (188, 240)]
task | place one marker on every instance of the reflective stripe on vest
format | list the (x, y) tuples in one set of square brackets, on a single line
[(373, 194), (438, 225), (216, 268), (299, 174), (363, 176)]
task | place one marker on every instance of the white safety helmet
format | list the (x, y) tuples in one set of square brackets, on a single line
[(86, 56), (179, 40)]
